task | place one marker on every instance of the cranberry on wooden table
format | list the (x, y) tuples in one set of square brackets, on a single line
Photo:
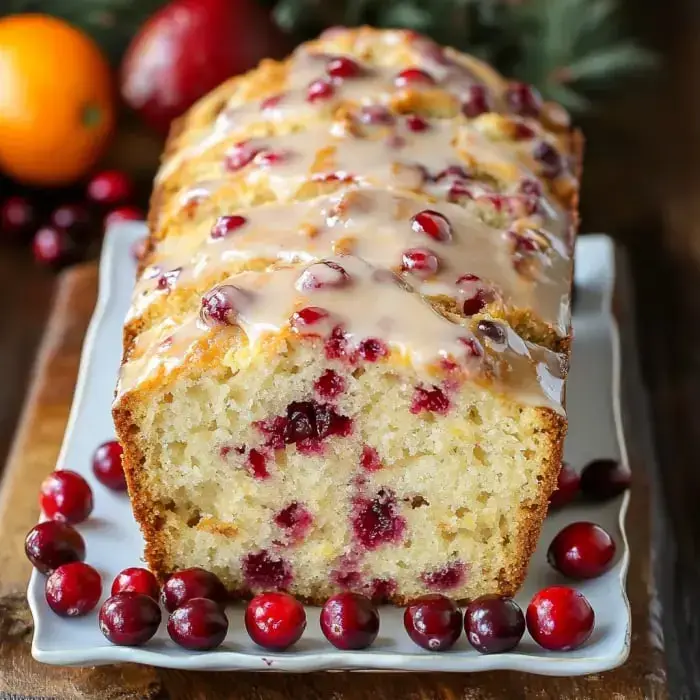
[(275, 621), (50, 544), (494, 624), (581, 550), (350, 621), (129, 618), (199, 625), (107, 465), (560, 618), (568, 484), (71, 217), (66, 496), (17, 216), (136, 580), (192, 583), (73, 589), (433, 622), (52, 246), (110, 187), (603, 479)]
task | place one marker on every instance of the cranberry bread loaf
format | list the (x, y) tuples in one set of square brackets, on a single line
[(345, 361)]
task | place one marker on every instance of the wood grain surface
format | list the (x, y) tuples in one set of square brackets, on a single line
[(34, 454)]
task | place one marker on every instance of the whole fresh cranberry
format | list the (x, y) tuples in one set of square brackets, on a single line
[(320, 90), (192, 583), (560, 618), (343, 68), (568, 483), (350, 621), (66, 496), (120, 214), (475, 101), (71, 217), (73, 589), (107, 465), (494, 624), (433, 622), (129, 618), (50, 544), (17, 216), (604, 479), (581, 550), (413, 76), (199, 625), (110, 187), (275, 621), (52, 246), (136, 580), (523, 99)]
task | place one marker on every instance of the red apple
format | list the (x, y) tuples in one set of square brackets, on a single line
[(189, 47)]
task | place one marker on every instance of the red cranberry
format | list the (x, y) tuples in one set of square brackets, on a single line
[(433, 622), (343, 67), (295, 520), (268, 157), (377, 521), (522, 132), (275, 621), (110, 187), (66, 496), (319, 90), (240, 155), (381, 590), (476, 101), (71, 217), (199, 625), (453, 172), (50, 544), (329, 385), (349, 621), (17, 216), (412, 76), (264, 570), (568, 483), (376, 114), (370, 460), (581, 550), (73, 589), (136, 580), (256, 464), (472, 346), (432, 223), (192, 583), (494, 624), (372, 350), (270, 102), (308, 316), (523, 99), (476, 303), (549, 158), (220, 305), (493, 331), (603, 479), (129, 618), (52, 246), (530, 187), (433, 400), (227, 224), (445, 577), (421, 262), (560, 618), (322, 275), (415, 122), (107, 465), (121, 214)]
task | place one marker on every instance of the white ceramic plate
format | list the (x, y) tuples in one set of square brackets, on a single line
[(114, 542)]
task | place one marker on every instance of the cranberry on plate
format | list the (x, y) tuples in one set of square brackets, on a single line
[(199, 625), (275, 621), (50, 544), (581, 550), (66, 496), (568, 484), (433, 622), (350, 621), (129, 618), (192, 583), (494, 624), (73, 589), (560, 618), (136, 580), (107, 465), (603, 479)]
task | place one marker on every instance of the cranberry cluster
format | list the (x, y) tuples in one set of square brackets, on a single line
[(64, 236)]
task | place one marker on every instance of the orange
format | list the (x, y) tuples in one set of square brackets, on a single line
[(56, 100)]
